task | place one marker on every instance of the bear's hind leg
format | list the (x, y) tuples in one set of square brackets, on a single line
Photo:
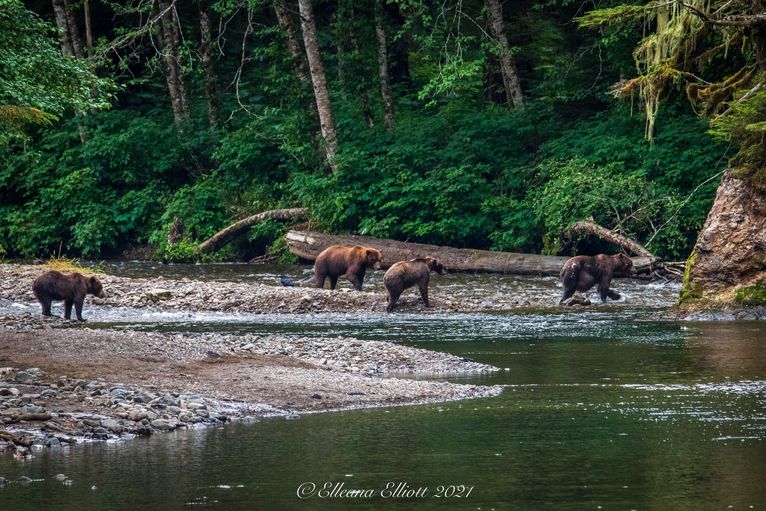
[(68, 309), (392, 298)]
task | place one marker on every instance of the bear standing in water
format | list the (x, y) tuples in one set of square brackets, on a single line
[(352, 262), (71, 288), (405, 274), (583, 272)]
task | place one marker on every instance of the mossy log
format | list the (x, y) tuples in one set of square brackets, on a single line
[(226, 235), (588, 227), (308, 244)]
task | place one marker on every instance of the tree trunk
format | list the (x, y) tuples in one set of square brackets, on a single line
[(74, 31), (591, 228), (286, 23), (62, 22), (71, 44), (88, 27), (226, 235), (170, 42), (207, 62), (319, 81), (728, 264), (385, 89), (308, 245), (511, 82), (364, 95), (399, 59)]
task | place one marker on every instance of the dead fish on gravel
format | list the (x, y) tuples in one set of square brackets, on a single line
[(290, 282)]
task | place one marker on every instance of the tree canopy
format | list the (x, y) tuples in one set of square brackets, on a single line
[(37, 83), (468, 122)]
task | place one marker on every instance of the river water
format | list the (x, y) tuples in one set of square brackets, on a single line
[(608, 407)]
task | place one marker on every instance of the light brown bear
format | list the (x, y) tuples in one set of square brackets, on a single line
[(352, 262), (406, 274)]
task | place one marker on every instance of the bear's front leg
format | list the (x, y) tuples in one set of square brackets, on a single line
[(78, 309), (68, 309)]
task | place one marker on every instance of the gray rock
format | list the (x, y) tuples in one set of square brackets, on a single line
[(112, 425), (159, 294), (53, 442), (141, 398), (59, 477), (48, 393), (32, 409), (24, 376), (25, 480), (162, 424)]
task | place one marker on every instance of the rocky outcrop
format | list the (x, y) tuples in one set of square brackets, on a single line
[(728, 265)]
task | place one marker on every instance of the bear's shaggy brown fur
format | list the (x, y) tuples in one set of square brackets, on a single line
[(72, 288), (583, 272), (352, 262), (405, 274)]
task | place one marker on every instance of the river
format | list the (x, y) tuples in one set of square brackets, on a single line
[(607, 407)]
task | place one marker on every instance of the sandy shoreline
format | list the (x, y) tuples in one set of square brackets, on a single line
[(62, 383)]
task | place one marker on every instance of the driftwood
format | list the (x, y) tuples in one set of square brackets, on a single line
[(226, 235), (27, 417), (593, 229), (15, 439), (307, 245)]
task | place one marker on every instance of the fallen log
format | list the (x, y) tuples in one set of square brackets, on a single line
[(591, 228), (226, 235), (308, 244)]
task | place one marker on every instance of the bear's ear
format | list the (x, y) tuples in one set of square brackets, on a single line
[(92, 281), (373, 255)]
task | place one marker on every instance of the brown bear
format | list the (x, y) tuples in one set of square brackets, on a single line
[(72, 288), (583, 272), (352, 262), (405, 274)]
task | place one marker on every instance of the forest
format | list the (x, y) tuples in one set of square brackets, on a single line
[(470, 123)]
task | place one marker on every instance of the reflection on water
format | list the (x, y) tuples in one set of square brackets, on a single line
[(606, 408)]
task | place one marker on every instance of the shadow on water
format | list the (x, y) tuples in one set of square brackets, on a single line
[(613, 407)]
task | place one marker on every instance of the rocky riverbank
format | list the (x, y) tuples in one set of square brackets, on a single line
[(62, 383), (254, 298)]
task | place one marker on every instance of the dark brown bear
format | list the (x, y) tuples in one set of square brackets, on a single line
[(405, 274), (352, 262), (583, 272), (71, 288)]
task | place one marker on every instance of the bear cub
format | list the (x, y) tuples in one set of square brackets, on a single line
[(71, 288), (406, 274)]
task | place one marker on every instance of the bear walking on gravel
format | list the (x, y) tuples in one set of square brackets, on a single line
[(583, 272), (406, 274), (352, 262), (72, 288)]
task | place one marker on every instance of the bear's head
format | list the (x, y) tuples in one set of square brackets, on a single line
[(95, 288), (623, 264), (374, 258), (435, 265)]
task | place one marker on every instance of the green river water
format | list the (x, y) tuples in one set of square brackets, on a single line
[(613, 408)]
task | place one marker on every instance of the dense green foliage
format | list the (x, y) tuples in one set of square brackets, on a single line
[(458, 167)]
